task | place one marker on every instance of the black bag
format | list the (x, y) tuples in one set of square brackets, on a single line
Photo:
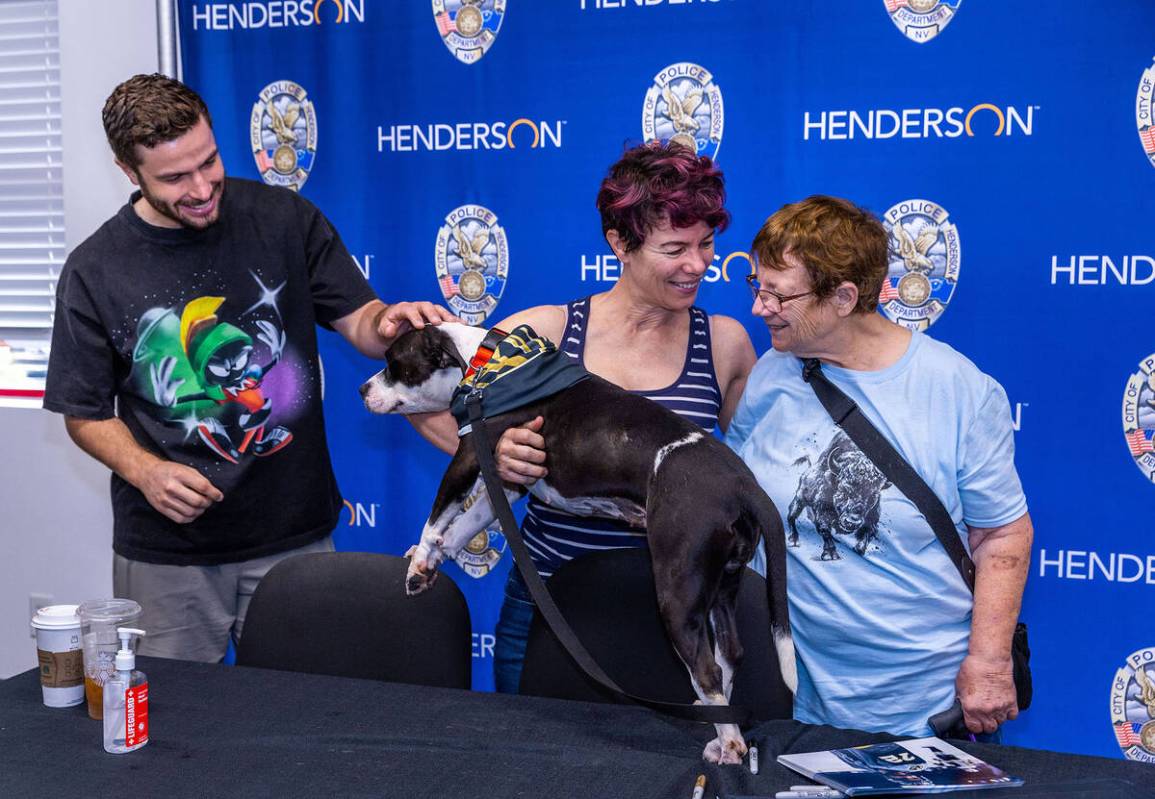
[(846, 414), (1021, 658)]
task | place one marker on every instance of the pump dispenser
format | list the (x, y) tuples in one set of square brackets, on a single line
[(125, 700)]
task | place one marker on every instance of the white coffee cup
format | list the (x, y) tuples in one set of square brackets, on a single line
[(61, 657)]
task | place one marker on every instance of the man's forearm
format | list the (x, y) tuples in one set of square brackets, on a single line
[(111, 443), (361, 329), (1002, 559)]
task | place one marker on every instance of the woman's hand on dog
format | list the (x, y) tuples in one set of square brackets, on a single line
[(520, 454)]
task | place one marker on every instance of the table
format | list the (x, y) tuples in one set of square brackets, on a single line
[(233, 731)]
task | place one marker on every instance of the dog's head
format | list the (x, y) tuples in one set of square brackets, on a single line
[(424, 368)]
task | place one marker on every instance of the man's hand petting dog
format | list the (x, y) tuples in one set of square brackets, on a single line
[(520, 454), (395, 319)]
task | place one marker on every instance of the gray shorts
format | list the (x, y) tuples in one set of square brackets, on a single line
[(191, 612)]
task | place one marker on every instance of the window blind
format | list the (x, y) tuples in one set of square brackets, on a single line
[(32, 246)]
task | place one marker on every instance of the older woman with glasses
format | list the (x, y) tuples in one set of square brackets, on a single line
[(886, 630), (661, 206)]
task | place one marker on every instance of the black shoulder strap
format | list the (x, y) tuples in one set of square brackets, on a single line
[(847, 415), (715, 714)]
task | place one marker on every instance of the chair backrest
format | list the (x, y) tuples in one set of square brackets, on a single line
[(347, 614), (609, 600)]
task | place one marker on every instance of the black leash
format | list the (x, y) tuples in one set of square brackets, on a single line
[(714, 714)]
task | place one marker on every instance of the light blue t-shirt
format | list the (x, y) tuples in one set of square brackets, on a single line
[(882, 628)]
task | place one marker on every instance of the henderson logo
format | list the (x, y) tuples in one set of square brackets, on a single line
[(919, 123), (607, 268), (1112, 567), (471, 136), (1099, 270), (275, 14)]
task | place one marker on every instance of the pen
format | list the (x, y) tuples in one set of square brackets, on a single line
[(699, 787), (811, 788), (826, 793), (753, 757)]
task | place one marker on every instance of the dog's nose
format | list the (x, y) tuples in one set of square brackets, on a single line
[(364, 389)]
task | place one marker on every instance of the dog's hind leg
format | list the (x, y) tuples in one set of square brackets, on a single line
[(690, 585), (727, 647)]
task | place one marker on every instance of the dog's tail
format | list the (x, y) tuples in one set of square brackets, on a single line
[(768, 522)]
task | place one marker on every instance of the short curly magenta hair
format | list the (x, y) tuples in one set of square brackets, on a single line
[(659, 182)]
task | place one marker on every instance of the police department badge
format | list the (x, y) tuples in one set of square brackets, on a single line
[(1143, 112), (283, 134), (481, 554), (468, 27), (925, 258), (684, 105), (472, 258), (1139, 416), (921, 20), (1133, 706)]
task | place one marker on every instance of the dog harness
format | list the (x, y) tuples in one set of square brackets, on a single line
[(512, 370)]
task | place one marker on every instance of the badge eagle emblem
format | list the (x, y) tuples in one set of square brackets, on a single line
[(283, 134), (684, 105), (1133, 706), (468, 27), (925, 258), (1139, 416), (472, 261)]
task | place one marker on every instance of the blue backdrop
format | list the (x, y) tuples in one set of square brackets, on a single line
[(1006, 145)]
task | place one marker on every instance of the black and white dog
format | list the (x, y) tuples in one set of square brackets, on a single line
[(612, 453)]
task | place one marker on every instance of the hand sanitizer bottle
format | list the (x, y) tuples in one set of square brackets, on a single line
[(125, 700)]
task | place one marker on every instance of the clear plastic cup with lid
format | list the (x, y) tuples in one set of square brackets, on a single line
[(99, 619)]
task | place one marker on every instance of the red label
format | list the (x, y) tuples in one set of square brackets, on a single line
[(136, 715)]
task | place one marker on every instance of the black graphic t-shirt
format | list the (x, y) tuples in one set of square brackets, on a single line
[(204, 343)]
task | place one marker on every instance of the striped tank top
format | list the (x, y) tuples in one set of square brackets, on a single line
[(553, 536)]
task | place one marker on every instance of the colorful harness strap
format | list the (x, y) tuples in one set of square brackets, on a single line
[(484, 351), (512, 370)]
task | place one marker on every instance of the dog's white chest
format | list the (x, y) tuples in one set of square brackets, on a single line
[(629, 512)]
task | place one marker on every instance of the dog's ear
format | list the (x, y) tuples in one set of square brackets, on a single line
[(438, 349)]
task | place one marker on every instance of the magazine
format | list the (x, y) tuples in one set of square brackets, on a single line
[(922, 765)]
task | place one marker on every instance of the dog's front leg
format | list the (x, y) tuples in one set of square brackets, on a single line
[(454, 527)]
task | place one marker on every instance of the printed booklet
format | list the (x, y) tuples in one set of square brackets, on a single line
[(922, 765)]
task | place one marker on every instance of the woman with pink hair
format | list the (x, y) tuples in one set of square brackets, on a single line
[(661, 206)]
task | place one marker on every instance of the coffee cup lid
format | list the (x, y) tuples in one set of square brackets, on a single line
[(105, 610), (56, 617)]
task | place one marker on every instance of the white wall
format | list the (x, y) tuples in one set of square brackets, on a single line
[(55, 517)]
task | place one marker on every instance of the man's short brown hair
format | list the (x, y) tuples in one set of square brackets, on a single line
[(148, 110), (834, 239)]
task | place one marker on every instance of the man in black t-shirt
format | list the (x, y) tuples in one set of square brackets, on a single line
[(184, 358)]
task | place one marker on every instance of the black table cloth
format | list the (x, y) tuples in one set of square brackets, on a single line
[(234, 731)]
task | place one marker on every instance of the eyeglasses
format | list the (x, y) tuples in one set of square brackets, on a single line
[(765, 295)]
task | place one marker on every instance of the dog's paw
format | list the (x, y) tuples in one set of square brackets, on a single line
[(419, 582), (729, 751), (420, 575)]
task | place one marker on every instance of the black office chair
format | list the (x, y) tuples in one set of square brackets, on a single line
[(609, 600), (346, 614)]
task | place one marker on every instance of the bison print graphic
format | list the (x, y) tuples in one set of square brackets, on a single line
[(841, 493)]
